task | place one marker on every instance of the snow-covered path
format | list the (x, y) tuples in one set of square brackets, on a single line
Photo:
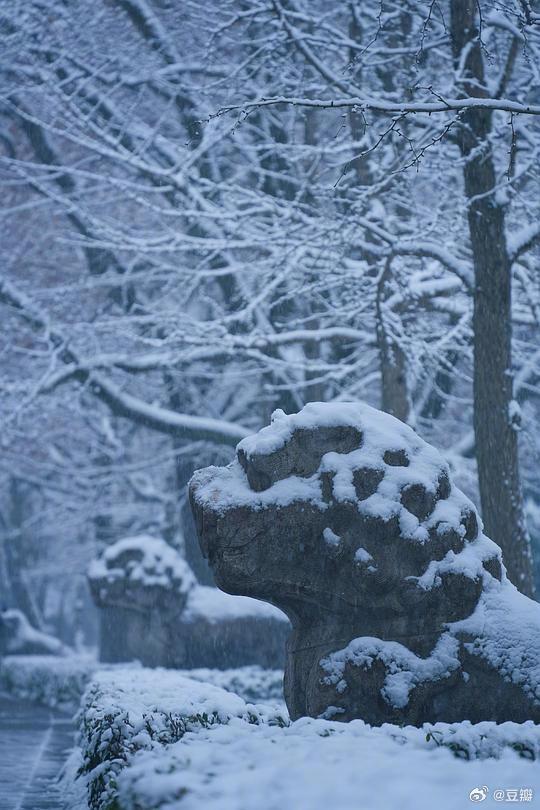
[(34, 744)]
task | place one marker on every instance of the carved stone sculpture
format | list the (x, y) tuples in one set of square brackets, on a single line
[(18, 637), (401, 611), (153, 610)]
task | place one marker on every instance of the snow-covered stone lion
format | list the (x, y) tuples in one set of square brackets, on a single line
[(401, 610), (153, 610)]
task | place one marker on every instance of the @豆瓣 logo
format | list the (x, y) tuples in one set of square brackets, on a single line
[(478, 794)]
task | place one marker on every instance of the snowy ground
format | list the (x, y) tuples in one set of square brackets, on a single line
[(156, 739), (34, 744)]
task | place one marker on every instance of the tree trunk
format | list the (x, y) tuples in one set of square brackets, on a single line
[(14, 555), (393, 361), (395, 398), (495, 432)]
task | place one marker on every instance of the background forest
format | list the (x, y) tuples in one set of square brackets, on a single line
[(211, 210)]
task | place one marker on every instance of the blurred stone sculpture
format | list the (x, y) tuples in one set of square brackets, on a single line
[(345, 519), (153, 610), (18, 637)]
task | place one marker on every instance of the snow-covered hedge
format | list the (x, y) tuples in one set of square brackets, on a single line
[(316, 764), (60, 682), (158, 740), (50, 680), (127, 710), (253, 684)]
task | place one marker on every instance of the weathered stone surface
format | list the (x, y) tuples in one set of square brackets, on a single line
[(418, 500), (400, 606), (301, 456), (396, 458), (154, 611), (366, 481)]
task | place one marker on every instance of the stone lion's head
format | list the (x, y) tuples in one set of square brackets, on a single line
[(343, 510)]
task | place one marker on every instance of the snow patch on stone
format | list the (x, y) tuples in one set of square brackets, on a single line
[(143, 560), (505, 627), (331, 538), (215, 606), (362, 556), (405, 670)]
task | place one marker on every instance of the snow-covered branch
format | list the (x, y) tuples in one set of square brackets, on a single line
[(364, 104), (522, 240), (163, 420)]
